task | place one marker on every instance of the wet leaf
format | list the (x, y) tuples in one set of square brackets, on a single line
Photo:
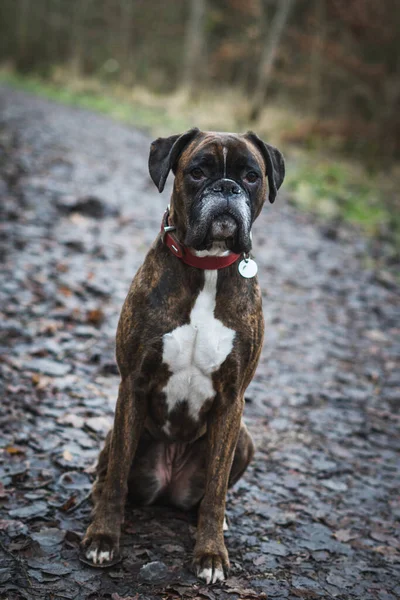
[(74, 480), (47, 367), (344, 535), (15, 450), (67, 456), (153, 572), (95, 316), (70, 503), (71, 419), (49, 537), (29, 512), (99, 424)]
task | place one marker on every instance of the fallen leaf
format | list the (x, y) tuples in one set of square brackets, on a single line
[(41, 382), (71, 419), (3, 493), (344, 535), (32, 510), (99, 424), (56, 569), (62, 267), (69, 503), (389, 552), (35, 378), (308, 594), (67, 456), (237, 586), (260, 560), (95, 316), (65, 291), (49, 536), (14, 450)]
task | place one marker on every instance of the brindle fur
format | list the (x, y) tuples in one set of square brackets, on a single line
[(160, 299)]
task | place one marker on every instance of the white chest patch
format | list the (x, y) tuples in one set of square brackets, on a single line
[(194, 351)]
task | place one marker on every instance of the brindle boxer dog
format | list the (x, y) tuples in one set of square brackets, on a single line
[(188, 342)]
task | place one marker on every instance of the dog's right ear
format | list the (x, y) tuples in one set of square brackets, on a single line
[(164, 155)]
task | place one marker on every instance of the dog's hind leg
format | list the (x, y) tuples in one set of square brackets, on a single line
[(243, 455), (101, 471), (101, 541), (188, 483)]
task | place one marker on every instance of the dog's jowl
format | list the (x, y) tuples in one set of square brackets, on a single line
[(188, 342)]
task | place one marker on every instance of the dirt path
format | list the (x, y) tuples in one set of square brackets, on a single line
[(318, 514)]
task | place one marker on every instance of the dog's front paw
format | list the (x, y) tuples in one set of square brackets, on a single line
[(211, 565), (100, 549)]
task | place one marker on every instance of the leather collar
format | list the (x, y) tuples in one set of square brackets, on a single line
[(182, 252)]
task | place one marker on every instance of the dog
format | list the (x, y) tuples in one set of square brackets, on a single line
[(188, 343)]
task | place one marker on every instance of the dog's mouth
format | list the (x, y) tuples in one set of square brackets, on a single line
[(215, 218), (223, 229)]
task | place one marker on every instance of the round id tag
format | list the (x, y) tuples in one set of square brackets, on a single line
[(248, 268)]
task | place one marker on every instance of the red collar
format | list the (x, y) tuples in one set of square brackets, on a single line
[(180, 251)]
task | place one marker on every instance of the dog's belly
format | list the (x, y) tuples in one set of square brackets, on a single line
[(177, 474), (193, 352)]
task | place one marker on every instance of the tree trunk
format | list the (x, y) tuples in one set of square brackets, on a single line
[(23, 32), (316, 60), (193, 50), (78, 37), (126, 51), (268, 56)]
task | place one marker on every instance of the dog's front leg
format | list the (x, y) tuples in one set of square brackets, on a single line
[(101, 541), (210, 560)]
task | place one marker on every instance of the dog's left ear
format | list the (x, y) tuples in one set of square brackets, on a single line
[(274, 163), (164, 155)]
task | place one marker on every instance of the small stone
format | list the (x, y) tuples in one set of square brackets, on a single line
[(153, 572)]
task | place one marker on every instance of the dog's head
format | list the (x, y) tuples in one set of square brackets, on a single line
[(220, 184)]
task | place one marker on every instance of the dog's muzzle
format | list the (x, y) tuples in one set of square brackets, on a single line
[(221, 213)]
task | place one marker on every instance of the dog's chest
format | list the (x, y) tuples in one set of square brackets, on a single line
[(193, 352)]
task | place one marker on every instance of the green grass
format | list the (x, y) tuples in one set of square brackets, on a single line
[(98, 98), (328, 186), (344, 191)]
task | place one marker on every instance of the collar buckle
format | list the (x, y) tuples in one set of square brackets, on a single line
[(165, 226), (166, 229), (167, 239)]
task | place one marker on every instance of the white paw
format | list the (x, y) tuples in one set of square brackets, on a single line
[(218, 575), (211, 575), (98, 557), (225, 525), (205, 574)]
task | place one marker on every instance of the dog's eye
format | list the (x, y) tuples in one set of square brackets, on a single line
[(197, 174), (251, 177)]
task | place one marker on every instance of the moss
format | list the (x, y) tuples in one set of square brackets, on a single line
[(346, 192)]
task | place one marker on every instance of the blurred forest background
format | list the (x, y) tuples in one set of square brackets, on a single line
[(321, 77)]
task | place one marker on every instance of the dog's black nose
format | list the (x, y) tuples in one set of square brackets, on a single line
[(226, 186)]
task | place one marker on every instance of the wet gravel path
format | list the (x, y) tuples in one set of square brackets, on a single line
[(318, 513)]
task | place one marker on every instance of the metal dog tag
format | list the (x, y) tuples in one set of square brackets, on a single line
[(248, 268)]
